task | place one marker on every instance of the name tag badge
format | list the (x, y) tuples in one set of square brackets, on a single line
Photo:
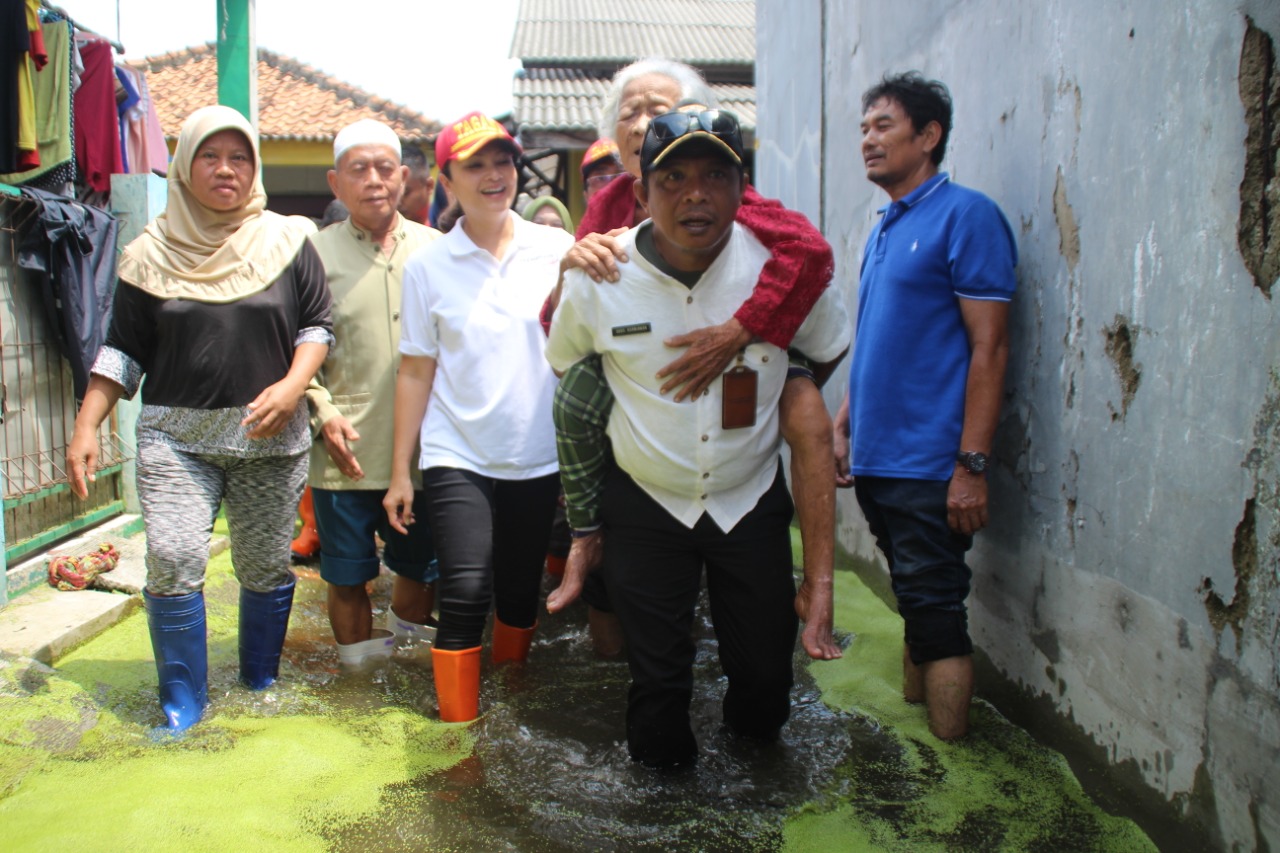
[(632, 329), (738, 401)]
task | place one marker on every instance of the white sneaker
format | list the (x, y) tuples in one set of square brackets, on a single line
[(403, 629), (377, 648)]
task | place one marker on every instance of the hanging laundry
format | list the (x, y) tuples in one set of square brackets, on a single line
[(127, 99), (97, 126), (15, 74), (144, 146), (155, 151), (39, 55), (53, 116), (71, 249), (28, 149)]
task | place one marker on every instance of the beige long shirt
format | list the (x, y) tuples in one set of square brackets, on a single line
[(358, 379)]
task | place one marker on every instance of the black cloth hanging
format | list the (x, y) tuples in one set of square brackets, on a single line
[(71, 249), (15, 41)]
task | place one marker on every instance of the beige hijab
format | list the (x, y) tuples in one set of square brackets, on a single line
[(192, 252)]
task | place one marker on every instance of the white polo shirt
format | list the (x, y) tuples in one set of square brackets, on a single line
[(490, 405), (678, 452)]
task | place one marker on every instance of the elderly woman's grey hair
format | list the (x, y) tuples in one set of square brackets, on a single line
[(692, 88)]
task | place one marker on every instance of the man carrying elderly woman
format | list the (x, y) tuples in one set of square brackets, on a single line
[(796, 274)]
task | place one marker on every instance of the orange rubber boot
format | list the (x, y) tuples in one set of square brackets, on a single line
[(511, 643), (457, 683), (307, 545)]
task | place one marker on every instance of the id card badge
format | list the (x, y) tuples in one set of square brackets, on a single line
[(739, 398)]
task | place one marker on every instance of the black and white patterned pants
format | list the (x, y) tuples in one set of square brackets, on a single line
[(180, 493)]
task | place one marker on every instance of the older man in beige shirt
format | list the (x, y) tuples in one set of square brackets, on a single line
[(353, 397)]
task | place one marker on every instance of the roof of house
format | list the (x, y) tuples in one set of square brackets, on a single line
[(704, 33), (568, 100), (295, 100), (571, 49)]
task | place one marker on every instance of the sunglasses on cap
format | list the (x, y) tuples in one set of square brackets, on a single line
[(718, 123)]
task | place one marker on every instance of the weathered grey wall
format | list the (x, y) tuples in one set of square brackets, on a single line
[(1131, 574)]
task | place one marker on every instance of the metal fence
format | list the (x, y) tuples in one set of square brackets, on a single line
[(37, 414)]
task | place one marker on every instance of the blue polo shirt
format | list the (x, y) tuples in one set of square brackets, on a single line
[(939, 244)]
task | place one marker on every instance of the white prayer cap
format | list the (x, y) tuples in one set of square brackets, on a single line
[(364, 132)]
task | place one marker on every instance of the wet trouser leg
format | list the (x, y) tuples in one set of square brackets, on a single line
[(653, 565), (752, 592), (491, 539), (926, 562)]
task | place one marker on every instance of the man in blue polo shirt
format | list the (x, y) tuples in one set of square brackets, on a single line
[(926, 381)]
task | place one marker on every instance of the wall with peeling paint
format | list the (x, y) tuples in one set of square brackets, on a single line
[(1131, 575)]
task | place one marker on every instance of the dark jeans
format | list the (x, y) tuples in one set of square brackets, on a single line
[(347, 521), (926, 562), (653, 565), (491, 540)]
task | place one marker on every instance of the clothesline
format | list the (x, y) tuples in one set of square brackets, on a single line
[(117, 46)]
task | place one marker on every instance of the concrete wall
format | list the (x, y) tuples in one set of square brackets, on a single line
[(135, 201), (1131, 575)]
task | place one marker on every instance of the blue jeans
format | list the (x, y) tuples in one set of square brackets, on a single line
[(926, 562), (347, 520)]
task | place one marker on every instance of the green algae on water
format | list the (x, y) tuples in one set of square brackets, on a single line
[(322, 763), (81, 767), (994, 790)]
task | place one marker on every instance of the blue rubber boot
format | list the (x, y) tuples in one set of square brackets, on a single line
[(179, 642), (264, 619)]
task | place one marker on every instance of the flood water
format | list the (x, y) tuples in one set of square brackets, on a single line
[(550, 770), (327, 760)]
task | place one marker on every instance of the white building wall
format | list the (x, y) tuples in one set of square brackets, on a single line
[(1132, 570)]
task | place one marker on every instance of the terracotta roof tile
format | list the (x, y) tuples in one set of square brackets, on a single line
[(295, 101)]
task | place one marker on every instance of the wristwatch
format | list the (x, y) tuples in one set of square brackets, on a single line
[(973, 462)]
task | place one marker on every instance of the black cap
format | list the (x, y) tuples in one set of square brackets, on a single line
[(669, 131)]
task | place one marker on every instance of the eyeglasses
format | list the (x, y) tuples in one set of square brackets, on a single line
[(598, 181), (719, 123)]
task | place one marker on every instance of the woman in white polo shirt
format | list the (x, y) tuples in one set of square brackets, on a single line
[(474, 390)]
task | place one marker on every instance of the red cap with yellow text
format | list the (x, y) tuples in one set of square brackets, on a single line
[(599, 150), (464, 137)]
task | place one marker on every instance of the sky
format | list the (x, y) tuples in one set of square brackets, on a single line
[(442, 59)]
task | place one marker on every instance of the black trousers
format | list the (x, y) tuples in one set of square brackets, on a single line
[(491, 541), (653, 565)]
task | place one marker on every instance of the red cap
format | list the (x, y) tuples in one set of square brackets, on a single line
[(468, 135), (599, 150)]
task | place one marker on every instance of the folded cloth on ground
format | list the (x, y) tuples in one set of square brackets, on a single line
[(67, 572)]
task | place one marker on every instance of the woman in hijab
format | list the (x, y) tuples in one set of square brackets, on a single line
[(224, 308), (548, 210)]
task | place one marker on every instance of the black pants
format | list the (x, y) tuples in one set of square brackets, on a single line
[(926, 562), (491, 540), (653, 565)]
